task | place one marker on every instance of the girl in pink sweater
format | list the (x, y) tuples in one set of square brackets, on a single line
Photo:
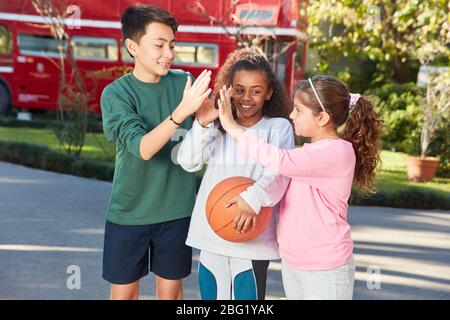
[(314, 236)]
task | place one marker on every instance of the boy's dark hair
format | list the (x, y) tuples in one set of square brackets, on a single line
[(136, 18), (362, 125)]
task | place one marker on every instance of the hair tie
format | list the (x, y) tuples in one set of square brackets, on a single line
[(354, 97)]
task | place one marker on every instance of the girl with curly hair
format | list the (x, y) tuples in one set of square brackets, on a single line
[(229, 270), (314, 236)]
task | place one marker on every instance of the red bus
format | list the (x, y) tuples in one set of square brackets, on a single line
[(29, 68)]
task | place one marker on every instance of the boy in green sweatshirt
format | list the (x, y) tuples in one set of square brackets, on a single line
[(152, 197)]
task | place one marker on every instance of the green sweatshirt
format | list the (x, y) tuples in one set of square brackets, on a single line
[(157, 190)]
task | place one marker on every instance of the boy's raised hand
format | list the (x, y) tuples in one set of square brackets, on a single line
[(195, 94)]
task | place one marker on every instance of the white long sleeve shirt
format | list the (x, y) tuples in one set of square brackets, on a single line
[(219, 150)]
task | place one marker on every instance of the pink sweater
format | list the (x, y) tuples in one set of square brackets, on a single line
[(313, 232)]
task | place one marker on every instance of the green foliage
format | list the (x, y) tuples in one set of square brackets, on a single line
[(400, 107), (395, 35), (94, 125), (409, 197), (95, 145)]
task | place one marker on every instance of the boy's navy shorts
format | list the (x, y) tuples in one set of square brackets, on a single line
[(128, 249)]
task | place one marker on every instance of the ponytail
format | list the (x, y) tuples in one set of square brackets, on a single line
[(363, 129)]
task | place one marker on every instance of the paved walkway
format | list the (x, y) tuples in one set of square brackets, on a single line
[(52, 224)]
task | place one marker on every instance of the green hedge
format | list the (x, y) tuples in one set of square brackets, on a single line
[(400, 106), (41, 157), (409, 197), (94, 125)]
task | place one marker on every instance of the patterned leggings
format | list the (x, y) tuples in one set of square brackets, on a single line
[(227, 278)]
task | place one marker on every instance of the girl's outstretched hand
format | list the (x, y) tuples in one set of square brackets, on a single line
[(226, 113)]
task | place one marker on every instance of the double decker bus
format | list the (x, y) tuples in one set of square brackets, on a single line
[(29, 55)]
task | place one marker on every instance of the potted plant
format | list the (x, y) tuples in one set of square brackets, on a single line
[(436, 110)]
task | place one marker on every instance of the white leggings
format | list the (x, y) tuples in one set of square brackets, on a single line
[(334, 284)]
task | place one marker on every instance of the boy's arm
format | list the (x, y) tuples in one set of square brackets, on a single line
[(129, 129), (193, 97)]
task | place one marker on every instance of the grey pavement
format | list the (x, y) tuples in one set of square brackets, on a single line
[(52, 224)]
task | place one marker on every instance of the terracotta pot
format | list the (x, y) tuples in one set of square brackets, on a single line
[(421, 169)]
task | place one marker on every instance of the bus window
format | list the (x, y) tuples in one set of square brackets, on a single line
[(94, 48), (37, 45), (274, 52), (256, 15), (5, 40), (125, 55), (196, 54), (206, 55)]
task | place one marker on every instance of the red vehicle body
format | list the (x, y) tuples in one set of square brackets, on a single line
[(29, 58)]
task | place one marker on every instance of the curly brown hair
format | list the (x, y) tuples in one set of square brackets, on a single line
[(252, 59), (362, 125)]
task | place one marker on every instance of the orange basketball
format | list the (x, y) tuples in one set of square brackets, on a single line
[(221, 219)]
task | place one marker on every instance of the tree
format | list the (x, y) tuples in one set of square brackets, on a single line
[(390, 33), (436, 110), (73, 98)]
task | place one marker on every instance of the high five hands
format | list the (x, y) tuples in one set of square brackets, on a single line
[(195, 94), (226, 113)]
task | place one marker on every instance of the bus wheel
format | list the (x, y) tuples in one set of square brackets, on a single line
[(5, 100)]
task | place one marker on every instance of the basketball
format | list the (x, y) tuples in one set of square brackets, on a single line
[(221, 219)]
